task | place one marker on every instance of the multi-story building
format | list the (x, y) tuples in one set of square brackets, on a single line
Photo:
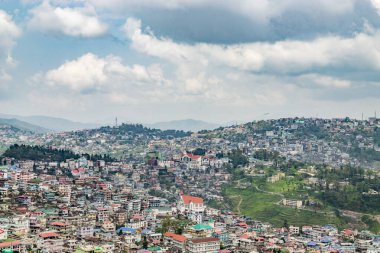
[(203, 245), (85, 230), (191, 206), (177, 241), (50, 242), (292, 203)]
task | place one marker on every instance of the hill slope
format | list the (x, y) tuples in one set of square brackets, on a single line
[(22, 125), (184, 125), (52, 123)]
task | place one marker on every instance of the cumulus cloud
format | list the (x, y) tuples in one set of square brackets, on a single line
[(71, 21), (90, 72), (376, 5), (9, 31), (263, 72), (288, 56), (260, 10), (323, 81)]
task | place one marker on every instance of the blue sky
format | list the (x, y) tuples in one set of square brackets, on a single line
[(214, 60)]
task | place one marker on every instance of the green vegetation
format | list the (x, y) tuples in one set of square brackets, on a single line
[(237, 158), (23, 126), (364, 154), (199, 151), (34, 153), (289, 187), (373, 224), (264, 207), (137, 129), (265, 155), (346, 188), (176, 225)]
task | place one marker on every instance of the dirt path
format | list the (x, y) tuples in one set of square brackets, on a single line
[(272, 193), (240, 201)]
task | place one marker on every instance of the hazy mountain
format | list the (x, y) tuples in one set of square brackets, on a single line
[(22, 125), (185, 125), (51, 123)]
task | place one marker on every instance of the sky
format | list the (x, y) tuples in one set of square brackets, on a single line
[(213, 60)]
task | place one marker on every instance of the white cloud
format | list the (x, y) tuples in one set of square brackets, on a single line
[(85, 72), (9, 31), (4, 76), (76, 21), (323, 81), (259, 10), (289, 56), (376, 5), (90, 72)]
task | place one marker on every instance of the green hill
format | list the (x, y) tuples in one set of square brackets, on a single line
[(24, 126)]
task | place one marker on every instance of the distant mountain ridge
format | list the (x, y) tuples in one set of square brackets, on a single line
[(51, 123), (24, 126), (184, 125)]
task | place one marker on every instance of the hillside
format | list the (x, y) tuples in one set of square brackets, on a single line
[(184, 125), (51, 123), (39, 153), (24, 126)]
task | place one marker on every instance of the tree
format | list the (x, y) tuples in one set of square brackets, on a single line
[(145, 242), (237, 158), (285, 225), (199, 151)]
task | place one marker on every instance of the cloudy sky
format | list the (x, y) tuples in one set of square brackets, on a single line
[(214, 60)]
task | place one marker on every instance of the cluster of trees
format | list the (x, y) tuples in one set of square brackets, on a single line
[(199, 151), (354, 195), (365, 154), (40, 153), (351, 198), (96, 157), (26, 152), (376, 136), (312, 130), (237, 158), (135, 129), (177, 225), (266, 155)]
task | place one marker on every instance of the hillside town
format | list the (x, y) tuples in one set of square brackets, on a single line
[(85, 206), (158, 195), (334, 142)]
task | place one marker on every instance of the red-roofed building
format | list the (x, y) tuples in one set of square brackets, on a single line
[(177, 241), (203, 245), (48, 234), (3, 234), (188, 157), (78, 172), (60, 226), (191, 206), (14, 245), (50, 241)]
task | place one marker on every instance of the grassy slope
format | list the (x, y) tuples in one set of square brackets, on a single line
[(263, 206)]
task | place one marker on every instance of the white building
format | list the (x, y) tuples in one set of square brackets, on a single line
[(203, 245), (191, 206)]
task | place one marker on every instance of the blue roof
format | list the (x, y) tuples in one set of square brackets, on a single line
[(125, 229), (326, 239), (311, 244), (146, 231)]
